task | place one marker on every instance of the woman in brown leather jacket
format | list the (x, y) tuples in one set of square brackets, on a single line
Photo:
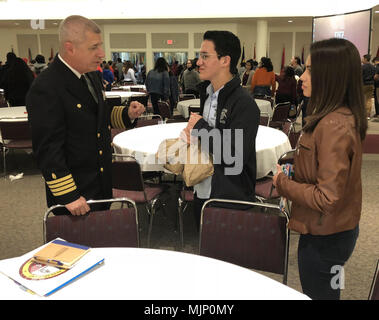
[(326, 191)]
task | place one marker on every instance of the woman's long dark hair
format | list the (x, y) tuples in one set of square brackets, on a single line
[(266, 63), (336, 77), (161, 65)]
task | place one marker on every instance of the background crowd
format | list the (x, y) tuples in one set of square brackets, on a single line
[(168, 81)]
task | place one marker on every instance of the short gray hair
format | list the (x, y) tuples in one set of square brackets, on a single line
[(73, 29)]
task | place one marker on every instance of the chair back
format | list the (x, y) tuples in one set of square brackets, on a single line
[(287, 127), (287, 157), (126, 173), (256, 238), (109, 228), (113, 101), (143, 99), (264, 119), (186, 96), (15, 130), (194, 109), (374, 290), (281, 112), (164, 109), (148, 120)]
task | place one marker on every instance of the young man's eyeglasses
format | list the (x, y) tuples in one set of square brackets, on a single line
[(206, 56)]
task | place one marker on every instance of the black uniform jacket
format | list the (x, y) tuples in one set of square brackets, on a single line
[(235, 110), (71, 134)]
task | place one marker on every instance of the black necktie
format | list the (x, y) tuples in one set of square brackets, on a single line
[(88, 85)]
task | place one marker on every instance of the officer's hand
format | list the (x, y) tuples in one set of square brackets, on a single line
[(135, 110), (78, 207)]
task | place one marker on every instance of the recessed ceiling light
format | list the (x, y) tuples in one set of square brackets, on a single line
[(290, 21)]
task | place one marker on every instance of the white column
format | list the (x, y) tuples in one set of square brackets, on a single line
[(262, 36)]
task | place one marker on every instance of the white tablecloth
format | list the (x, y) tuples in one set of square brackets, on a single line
[(13, 114), (125, 95), (143, 143), (264, 106), (182, 106), (151, 274)]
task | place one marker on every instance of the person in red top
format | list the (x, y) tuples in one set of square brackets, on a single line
[(286, 86), (263, 82)]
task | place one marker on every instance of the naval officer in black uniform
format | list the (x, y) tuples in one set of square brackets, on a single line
[(71, 121)]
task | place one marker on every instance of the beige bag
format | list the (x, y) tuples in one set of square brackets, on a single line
[(188, 160), (168, 154), (198, 167)]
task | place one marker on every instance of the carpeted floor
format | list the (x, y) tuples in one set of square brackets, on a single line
[(22, 206)]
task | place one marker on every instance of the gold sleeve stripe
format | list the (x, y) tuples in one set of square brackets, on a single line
[(116, 117), (64, 192), (112, 118), (63, 187), (57, 181), (63, 183)]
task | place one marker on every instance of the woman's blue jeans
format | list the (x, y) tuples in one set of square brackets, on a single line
[(321, 260)]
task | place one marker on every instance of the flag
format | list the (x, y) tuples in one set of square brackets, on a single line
[(243, 55), (283, 58), (255, 56), (29, 55), (302, 56), (51, 53)]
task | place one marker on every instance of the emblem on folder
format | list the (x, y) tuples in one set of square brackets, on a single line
[(32, 270)]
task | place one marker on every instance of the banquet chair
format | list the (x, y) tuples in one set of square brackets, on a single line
[(14, 135), (186, 96), (148, 120), (254, 236), (128, 182), (264, 188), (164, 109), (194, 109), (185, 197), (374, 290), (98, 228), (280, 114), (264, 119)]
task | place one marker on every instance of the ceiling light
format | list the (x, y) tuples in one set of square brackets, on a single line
[(290, 21)]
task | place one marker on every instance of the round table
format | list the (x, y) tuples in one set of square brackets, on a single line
[(154, 274), (142, 143), (264, 106), (182, 106), (13, 114), (125, 95)]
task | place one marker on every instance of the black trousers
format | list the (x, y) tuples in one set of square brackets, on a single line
[(321, 260), (154, 97)]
